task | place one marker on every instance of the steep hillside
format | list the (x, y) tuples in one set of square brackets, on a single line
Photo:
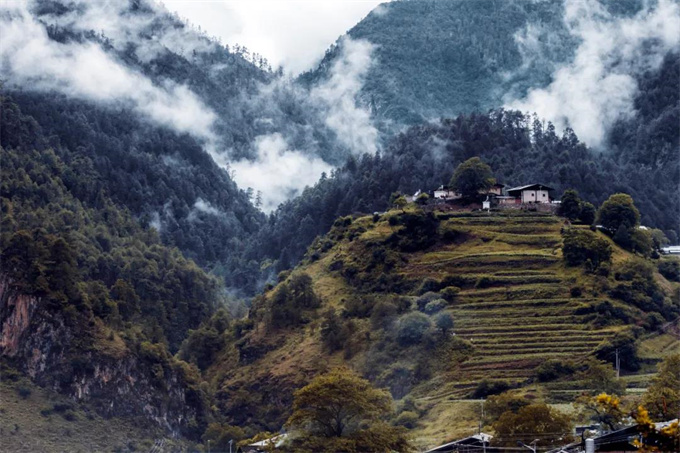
[(378, 293), (439, 59), (92, 304)]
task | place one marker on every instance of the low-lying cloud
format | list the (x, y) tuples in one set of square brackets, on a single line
[(279, 172), (29, 58), (350, 121), (598, 87)]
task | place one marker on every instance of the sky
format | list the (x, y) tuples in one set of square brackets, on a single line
[(294, 34)]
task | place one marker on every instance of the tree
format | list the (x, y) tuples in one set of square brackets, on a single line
[(400, 202), (570, 205), (333, 335), (585, 247), (600, 377), (340, 409), (654, 439), (588, 213), (411, 328), (604, 409), (444, 322), (472, 177), (535, 421), (662, 398), (422, 199), (619, 209)]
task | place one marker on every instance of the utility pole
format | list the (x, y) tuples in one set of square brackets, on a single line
[(618, 364)]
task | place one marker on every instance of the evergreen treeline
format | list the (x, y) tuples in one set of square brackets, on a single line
[(65, 240)]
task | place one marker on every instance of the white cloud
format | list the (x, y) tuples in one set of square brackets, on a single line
[(293, 33), (598, 87), (205, 207), (351, 122), (29, 58), (278, 172)]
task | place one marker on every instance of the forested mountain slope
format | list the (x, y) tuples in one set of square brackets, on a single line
[(439, 59), (92, 304)]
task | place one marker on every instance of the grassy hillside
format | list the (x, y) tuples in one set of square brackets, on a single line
[(380, 286)]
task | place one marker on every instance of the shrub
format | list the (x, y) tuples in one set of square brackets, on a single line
[(407, 419), (435, 306), (553, 369), (333, 336), (425, 299), (483, 282), (487, 387), (24, 392), (585, 247), (450, 293), (576, 291), (411, 328), (670, 269), (383, 315)]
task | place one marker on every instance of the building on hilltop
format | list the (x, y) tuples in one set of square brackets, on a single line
[(532, 193)]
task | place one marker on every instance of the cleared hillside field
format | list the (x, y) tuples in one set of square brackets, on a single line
[(516, 306)]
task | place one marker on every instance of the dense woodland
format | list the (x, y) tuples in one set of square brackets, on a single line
[(64, 238)]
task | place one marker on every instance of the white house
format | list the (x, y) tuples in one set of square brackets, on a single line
[(446, 193), (533, 193)]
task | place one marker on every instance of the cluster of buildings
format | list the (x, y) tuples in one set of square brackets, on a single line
[(497, 195), (623, 440)]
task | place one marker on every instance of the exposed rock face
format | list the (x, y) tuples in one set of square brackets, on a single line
[(46, 344)]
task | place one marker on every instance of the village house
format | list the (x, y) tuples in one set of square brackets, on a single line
[(532, 193), (448, 193)]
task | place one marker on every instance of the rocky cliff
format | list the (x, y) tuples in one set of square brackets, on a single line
[(76, 355)]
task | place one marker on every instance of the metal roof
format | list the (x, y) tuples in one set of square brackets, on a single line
[(530, 186)]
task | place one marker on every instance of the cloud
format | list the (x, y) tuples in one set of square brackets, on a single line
[(202, 206), (278, 172), (149, 29), (598, 87), (29, 58), (350, 121), (293, 33)]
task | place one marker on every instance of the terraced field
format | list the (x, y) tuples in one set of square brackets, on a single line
[(516, 306)]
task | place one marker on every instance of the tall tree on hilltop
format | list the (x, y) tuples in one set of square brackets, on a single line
[(472, 177), (618, 210)]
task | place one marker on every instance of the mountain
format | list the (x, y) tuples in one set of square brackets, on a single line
[(383, 293), (434, 59), (92, 305)]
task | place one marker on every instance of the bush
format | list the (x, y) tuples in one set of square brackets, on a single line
[(450, 293), (425, 299), (551, 370), (411, 328), (483, 282), (435, 306), (487, 387), (585, 247), (407, 419), (576, 291), (670, 269), (24, 392)]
